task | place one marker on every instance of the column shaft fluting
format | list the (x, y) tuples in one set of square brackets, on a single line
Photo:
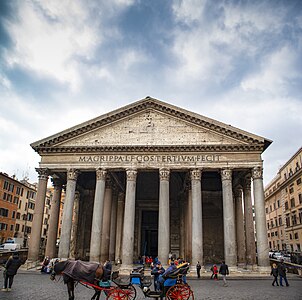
[(128, 228), (197, 234), (119, 226), (189, 225), (230, 252), (105, 242), (240, 237), (54, 220), (97, 218), (113, 226), (260, 218), (74, 228), (249, 223), (64, 246), (35, 237), (164, 216)]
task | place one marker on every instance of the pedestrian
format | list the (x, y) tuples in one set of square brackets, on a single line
[(215, 272), (282, 273), (198, 268), (45, 264), (212, 270), (224, 271), (274, 272), (157, 271), (11, 267)]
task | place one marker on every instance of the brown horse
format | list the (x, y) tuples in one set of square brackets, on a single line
[(76, 270)]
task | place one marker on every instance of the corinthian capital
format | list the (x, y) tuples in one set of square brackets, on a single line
[(57, 183), (72, 174), (164, 174), (43, 173), (101, 174), (257, 173), (196, 174), (131, 174), (226, 174)]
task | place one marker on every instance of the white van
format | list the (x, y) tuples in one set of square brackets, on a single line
[(10, 246)]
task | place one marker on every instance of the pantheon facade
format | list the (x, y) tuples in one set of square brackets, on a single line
[(151, 178)]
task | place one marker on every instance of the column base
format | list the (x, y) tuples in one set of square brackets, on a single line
[(252, 267), (29, 264), (125, 269)]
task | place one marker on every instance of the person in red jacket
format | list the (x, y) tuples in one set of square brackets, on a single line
[(215, 272)]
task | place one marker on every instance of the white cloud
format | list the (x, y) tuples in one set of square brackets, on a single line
[(275, 73), (188, 11), (49, 36)]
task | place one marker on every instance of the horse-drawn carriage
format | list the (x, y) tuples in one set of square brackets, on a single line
[(92, 275)]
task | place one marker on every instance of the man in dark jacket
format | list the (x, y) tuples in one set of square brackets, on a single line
[(282, 272), (224, 270), (11, 268), (157, 271)]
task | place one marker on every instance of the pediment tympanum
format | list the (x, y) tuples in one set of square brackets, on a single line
[(149, 128), (151, 123)]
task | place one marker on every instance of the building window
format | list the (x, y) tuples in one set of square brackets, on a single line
[(280, 220), (272, 223), (20, 202), (266, 210), (272, 233), (292, 202), (276, 233), (11, 227), (290, 236), (300, 198), (3, 212), (276, 222), (274, 206), (267, 225), (298, 181), (268, 234), (294, 219), (300, 216), (3, 226), (286, 205), (270, 208), (296, 236), (13, 214), (278, 203), (291, 190), (287, 221), (18, 216), (17, 227)]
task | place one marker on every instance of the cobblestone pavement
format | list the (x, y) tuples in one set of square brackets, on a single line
[(30, 285)]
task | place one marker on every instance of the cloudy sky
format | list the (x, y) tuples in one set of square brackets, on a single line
[(63, 62)]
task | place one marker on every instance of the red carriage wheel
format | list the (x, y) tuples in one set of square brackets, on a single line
[(130, 292), (179, 292), (122, 294)]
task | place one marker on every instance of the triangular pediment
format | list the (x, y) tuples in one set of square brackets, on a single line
[(150, 127), (149, 123)]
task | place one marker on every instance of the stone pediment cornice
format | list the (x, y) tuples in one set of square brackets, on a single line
[(127, 149), (251, 140)]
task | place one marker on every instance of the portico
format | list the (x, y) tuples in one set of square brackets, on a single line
[(153, 178)]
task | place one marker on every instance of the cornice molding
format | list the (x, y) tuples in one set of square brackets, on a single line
[(174, 148)]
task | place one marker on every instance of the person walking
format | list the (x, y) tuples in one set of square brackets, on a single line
[(282, 273), (275, 273), (11, 267), (157, 271), (215, 272), (198, 268), (224, 271)]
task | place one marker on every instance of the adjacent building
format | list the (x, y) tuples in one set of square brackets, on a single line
[(283, 206), (17, 206)]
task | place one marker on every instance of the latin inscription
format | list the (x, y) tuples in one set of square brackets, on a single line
[(150, 158)]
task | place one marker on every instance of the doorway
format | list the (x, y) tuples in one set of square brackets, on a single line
[(149, 233)]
